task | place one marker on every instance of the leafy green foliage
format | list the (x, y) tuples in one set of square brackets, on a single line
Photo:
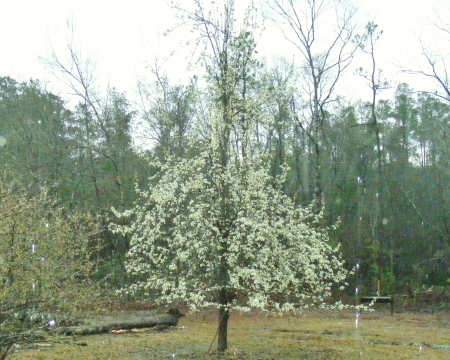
[(45, 262), (34, 126)]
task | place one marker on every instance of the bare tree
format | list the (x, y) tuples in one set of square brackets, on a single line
[(278, 141), (322, 31), (168, 112), (77, 72), (73, 68), (434, 52), (376, 82), (100, 136)]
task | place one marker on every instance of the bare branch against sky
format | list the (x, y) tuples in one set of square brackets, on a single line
[(125, 37)]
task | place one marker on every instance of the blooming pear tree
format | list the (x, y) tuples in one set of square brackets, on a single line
[(193, 243), (217, 230)]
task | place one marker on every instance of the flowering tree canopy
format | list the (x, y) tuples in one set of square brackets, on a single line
[(211, 236), (216, 229), (190, 241)]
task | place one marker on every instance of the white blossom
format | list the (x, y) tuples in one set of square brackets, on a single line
[(191, 240)]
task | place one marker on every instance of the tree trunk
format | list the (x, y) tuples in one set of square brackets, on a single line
[(224, 315)]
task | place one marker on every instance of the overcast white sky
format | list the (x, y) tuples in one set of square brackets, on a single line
[(122, 35)]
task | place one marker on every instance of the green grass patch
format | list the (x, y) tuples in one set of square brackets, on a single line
[(311, 335)]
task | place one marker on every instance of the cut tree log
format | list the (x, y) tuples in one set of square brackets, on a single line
[(104, 327)]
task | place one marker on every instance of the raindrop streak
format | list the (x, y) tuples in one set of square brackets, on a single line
[(33, 247), (357, 320)]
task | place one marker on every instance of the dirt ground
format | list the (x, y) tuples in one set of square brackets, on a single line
[(311, 335)]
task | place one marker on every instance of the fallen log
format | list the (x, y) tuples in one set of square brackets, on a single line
[(104, 327)]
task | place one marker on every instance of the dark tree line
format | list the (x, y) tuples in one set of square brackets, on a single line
[(380, 168), (91, 166)]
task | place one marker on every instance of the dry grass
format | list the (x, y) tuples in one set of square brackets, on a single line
[(312, 335)]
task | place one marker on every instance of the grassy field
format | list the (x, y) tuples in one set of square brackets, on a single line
[(312, 335)]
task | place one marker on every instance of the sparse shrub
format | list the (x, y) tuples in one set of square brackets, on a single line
[(45, 264)]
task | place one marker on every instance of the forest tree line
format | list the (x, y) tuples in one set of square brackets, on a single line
[(379, 169)]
